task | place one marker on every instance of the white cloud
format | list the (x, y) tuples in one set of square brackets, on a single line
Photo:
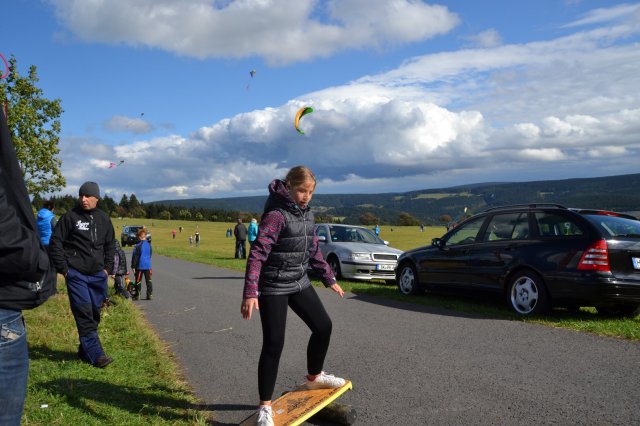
[(472, 115), (488, 38), (281, 31), (120, 123)]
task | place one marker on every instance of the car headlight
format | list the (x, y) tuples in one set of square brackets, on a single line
[(360, 256)]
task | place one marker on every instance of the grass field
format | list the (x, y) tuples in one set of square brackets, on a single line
[(216, 249), (144, 385)]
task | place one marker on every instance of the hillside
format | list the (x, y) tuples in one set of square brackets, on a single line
[(618, 193)]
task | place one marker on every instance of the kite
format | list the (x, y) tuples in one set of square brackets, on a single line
[(301, 113), (251, 73), (112, 164), (6, 64)]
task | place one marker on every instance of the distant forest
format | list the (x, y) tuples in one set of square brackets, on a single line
[(429, 206)]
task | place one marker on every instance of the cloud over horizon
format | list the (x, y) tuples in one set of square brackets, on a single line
[(494, 112)]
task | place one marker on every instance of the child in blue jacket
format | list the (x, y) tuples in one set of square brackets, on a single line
[(141, 265)]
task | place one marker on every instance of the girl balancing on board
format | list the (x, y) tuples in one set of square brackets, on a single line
[(276, 278)]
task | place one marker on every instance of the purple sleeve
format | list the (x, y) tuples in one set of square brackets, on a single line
[(319, 265), (271, 224)]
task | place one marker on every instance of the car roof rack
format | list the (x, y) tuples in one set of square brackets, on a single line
[(530, 206)]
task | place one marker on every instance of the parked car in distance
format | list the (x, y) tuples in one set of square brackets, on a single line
[(535, 256), (357, 253), (129, 236)]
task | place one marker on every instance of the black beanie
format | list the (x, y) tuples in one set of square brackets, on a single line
[(90, 189)]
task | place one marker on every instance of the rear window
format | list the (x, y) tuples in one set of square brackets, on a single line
[(555, 225), (613, 226)]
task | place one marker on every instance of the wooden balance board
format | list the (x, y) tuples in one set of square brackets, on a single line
[(294, 407)]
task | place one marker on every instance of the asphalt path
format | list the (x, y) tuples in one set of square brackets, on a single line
[(409, 364)]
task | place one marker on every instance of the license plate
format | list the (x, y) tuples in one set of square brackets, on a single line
[(636, 262), (384, 267)]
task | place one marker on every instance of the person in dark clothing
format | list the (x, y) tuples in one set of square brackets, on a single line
[(120, 271), (82, 249), (276, 278), (27, 279), (141, 265), (240, 232), (46, 221)]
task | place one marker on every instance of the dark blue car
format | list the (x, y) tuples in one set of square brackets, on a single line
[(535, 256)]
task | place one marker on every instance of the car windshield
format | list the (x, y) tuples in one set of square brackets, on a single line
[(346, 234), (615, 226)]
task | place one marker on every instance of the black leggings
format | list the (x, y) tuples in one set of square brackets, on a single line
[(273, 315)]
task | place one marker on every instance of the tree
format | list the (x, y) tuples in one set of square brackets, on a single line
[(368, 219), (133, 202), (184, 214), (34, 123), (124, 202), (445, 218), (165, 215), (405, 219)]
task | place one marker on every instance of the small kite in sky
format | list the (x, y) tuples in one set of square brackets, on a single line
[(112, 164), (6, 64), (251, 73), (301, 113)]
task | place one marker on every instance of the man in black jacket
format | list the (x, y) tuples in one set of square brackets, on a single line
[(82, 249), (26, 279), (240, 232)]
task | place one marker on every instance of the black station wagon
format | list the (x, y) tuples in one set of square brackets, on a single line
[(535, 256)]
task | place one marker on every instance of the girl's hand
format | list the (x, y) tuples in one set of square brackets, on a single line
[(336, 287), (247, 307)]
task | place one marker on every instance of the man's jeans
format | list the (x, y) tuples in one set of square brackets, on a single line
[(14, 366)]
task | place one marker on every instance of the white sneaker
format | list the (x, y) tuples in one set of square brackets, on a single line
[(265, 416), (325, 381)]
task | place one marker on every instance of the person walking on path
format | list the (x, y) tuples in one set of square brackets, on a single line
[(46, 221), (27, 279), (141, 265), (276, 278), (240, 232), (82, 248)]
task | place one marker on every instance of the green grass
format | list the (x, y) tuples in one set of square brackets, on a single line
[(142, 386), (215, 249)]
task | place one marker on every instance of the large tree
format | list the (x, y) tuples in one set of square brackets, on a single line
[(34, 123)]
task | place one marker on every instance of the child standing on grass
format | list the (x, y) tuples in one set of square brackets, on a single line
[(141, 265), (276, 278), (120, 271)]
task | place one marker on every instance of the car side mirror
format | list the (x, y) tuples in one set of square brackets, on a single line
[(322, 238), (437, 242)]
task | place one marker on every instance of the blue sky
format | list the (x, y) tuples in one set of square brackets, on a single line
[(407, 94)]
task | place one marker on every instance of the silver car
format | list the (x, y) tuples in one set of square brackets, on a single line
[(357, 253)]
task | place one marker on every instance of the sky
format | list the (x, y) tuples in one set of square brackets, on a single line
[(407, 94)]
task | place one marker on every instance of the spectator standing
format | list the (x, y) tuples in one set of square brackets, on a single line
[(252, 232), (173, 234), (141, 265), (197, 239), (46, 221), (82, 249), (377, 230), (240, 232), (27, 279), (120, 272)]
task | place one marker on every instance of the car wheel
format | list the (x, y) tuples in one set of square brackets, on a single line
[(527, 294), (334, 264), (408, 279), (618, 310)]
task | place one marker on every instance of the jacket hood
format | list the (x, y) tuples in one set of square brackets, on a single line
[(279, 197), (45, 214)]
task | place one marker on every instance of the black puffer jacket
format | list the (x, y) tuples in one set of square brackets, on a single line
[(285, 270)]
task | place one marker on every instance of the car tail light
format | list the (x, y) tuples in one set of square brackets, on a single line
[(595, 258)]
